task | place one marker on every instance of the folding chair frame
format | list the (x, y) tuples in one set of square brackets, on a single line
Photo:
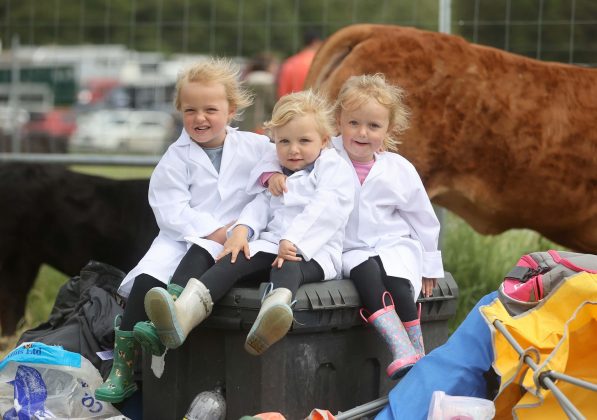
[(546, 379)]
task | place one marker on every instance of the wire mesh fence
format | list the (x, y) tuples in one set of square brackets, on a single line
[(560, 30), (111, 30), (216, 27), (554, 30)]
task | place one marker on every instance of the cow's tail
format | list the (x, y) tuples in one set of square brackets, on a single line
[(334, 50)]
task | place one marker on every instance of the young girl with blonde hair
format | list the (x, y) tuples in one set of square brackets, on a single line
[(391, 239), (197, 190), (391, 244)]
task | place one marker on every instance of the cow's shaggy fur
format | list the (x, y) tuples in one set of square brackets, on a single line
[(502, 140), (54, 216)]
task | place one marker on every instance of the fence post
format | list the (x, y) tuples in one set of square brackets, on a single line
[(13, 102), (444, 26), (445, 16)]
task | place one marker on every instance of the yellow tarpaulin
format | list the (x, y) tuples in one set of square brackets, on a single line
[(560, 334)]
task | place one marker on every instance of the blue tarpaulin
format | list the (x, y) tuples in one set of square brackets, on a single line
[(457, 368)]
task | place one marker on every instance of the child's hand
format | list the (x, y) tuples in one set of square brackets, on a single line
[(286, 251), (277, 184), (235, 243), (428, 286), (219, 235)]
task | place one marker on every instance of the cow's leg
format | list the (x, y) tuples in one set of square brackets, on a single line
[(8, 320), (14, 288)]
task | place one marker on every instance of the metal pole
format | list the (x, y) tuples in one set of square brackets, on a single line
[(32, 23), (132, 24), (80, 159), (445, 27), (297, 28), (14, 100), (361, 410), (81, 22), (507, 25), (539, 30), (476, 22), (56, 20), (268, 26), (185, 27), (571, 41), (212, 27), (107, 22), (445, 16), (571, 379), (6, 21), (569, 408), (239, 28), (159, 21)]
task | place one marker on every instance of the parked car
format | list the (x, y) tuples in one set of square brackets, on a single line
[(11, 120), (49, 131), (96, 90), (124, 130)]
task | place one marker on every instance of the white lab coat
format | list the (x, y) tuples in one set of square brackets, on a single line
[(190, 199), (311, 215), (392, 218)]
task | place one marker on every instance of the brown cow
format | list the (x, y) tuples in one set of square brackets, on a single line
[(502, 140)]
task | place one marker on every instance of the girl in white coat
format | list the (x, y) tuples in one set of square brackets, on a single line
[(391, 245), (196, 190), (296, 238)]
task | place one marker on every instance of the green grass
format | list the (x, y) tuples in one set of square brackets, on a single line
[(478, 263), (41, 298), (39, 304), (116, 172)]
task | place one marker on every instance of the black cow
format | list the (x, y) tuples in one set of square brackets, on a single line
[(62, 218)]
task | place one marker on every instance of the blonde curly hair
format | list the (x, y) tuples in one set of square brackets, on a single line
[(359, 89), (213, 71), (307, 102)]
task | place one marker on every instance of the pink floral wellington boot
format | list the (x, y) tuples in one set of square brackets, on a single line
[(388, 325)]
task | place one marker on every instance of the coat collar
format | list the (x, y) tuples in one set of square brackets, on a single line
[(198, 155), (308, 169), (378, 167), (230, 149), (376, 170)]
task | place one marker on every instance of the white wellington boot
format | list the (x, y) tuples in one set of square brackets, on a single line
[(272, 323), (174, 320)]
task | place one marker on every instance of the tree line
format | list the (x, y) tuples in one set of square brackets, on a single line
[(536, 28)]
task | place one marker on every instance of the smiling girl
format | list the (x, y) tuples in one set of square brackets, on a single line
[(197, 191), (391, 244)]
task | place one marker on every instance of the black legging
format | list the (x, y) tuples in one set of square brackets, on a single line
[(371, 281), (220, 278), (134, 310), (193, 265), (195, 262)]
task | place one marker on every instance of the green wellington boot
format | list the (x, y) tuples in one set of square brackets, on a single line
[(120, 384), (146, 333)]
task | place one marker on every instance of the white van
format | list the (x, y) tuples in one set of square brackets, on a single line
[(124, 131)]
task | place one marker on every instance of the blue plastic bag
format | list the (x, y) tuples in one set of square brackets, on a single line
[(41, 381)]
